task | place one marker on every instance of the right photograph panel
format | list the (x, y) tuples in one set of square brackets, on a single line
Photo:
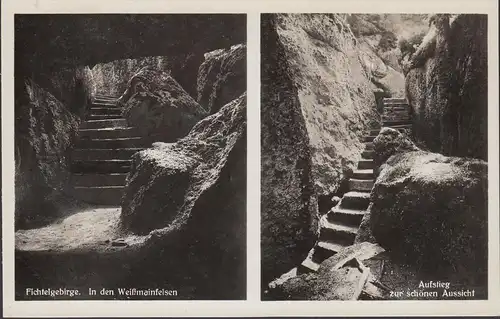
[(374, 156)]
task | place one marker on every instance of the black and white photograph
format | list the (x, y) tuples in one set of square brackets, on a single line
[(365, 169), (130, 156), (374, 156)]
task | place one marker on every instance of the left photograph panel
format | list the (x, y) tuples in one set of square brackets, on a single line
[(130, 153)]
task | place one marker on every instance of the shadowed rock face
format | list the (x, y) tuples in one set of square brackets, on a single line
[(447, 87), (44, 130), (222, 77), (81, 39), (289, 205), (431, 210), (159, 107), (190, 196)]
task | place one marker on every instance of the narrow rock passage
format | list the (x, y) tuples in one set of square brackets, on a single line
[(101, 157), (86, 248), (339, 227)]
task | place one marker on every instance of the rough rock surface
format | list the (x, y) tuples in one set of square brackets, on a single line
[(430, 210), (289, 211), (178, 193), (318, 84), (44, 129), (447, 87), (81, 39), (112, 78), (222, 77), (390, 142), (337, 278), (159, 107), (336, 75)]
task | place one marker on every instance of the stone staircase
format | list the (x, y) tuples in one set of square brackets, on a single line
[(101, 157), (338, 228)]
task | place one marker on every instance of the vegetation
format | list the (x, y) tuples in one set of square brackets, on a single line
[(409, 45)]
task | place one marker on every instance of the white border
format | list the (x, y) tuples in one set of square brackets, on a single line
[(252, 306)]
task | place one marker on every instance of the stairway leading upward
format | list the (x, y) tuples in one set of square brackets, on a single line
[(339, 227), (101, 157)]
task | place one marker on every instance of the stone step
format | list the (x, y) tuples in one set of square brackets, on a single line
[(368, 146), (402, 126), (104, 96), (366, 163), (111, 105), (369, 138), (101, 167), (100, 101), (112, 143), (104, 123), (88, 180), (93, 117), (368, 154), (337, 233), (108, 132), (363, 174), (345, 216), (396, 116), (395, 122), (355, 200), (307, 266), (103, 154), (391, 109), (106, 102), (105, 111), (394, 99), (104, 195), (324, 250), (396, 104), (390, 121), (361, 185)]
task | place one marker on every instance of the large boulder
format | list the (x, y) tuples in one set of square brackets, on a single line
[(390, 142), (46, 124), (159, 107), (189, 197), (430, 210), (289, 212), (222, 77), (336, 74), (446, 86)]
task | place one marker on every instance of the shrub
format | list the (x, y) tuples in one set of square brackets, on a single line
[(388, 41), (408, 46)]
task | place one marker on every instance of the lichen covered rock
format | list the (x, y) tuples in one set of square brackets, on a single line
[(289, 213), (190, 197), (222, 77), (390, 142), (430, 210), (159, 107), (112, 78), (45, 129), (446, 86), (335, 74), (338, 277)]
